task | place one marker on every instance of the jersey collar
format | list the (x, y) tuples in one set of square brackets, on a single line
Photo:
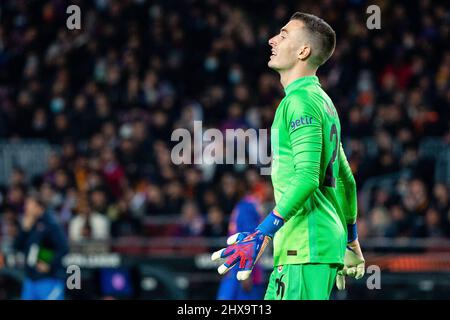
[(300, 82)]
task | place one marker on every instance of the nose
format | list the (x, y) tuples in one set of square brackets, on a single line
[(272, 41)]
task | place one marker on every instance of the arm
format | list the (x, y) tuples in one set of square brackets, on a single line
[(306, 143), (346, 191), (354, 263), (305, 136)]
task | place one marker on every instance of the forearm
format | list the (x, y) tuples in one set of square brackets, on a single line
[(291, 202), (347, 197), (346, 189), (307, 151), (299, 190), (305, 139)]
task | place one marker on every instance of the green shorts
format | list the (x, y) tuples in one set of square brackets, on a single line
[(301, 282)]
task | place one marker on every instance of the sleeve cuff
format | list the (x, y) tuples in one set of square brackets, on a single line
[(352, 232)]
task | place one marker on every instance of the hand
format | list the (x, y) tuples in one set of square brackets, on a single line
[(28, 222), (42, 267), (354, 264), (244, 250)]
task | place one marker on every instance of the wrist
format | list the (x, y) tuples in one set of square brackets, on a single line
[(352, 232), (271, 224)]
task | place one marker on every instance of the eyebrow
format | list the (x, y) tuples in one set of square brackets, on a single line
[(283, 29)]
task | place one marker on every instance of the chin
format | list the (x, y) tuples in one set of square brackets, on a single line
[(271, 65)]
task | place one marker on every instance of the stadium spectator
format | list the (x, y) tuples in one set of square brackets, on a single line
[(44, 244), (216, 225), (192, 222), (123, 223), (88, 224)]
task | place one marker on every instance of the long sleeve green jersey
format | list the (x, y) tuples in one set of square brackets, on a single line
[(315, 191)]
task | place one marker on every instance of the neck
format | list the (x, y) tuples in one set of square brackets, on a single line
[(288, 76)]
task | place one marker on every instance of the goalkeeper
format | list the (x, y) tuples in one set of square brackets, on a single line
[(313, 225)]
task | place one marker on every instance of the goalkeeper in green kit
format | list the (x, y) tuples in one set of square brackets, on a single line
[(313, 224)]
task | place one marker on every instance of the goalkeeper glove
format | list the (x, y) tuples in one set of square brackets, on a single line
[(354, 263), (245, 248)]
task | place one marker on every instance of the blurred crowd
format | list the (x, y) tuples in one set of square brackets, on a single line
[(110, 95)]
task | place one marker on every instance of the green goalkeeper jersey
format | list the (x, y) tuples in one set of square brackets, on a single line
[(315, 191)]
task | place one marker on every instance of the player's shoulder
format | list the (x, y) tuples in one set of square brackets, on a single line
[(303, 100), (301, 93)]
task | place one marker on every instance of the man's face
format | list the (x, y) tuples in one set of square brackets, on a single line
[(286, 46), (32, 208)]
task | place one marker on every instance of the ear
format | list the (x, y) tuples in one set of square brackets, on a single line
[(304, 52)]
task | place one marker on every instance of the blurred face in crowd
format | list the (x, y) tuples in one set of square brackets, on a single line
[(192, 177), (252, 177), (418, 190), (97, 142), (209, 198), (379, 220), (80, 103), (54, 162), (61, 122), (32, 208), (108, 155), (15, 195), (69, 150), (94, 179), (228, 185), (61, 179), (440, 191), (174, 189), (39, 119), (47, 192), (109, 130), (139, 131), (215, 215), (289, 47), (99, 200), (398, 213), (17, 177), (82, 207), (189, 211), (432, 217), (127, 146), (154, 194)]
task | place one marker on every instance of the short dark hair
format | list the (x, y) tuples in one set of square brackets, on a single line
[(36, 197), (322, 35)]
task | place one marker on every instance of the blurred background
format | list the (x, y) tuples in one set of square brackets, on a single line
[(86, 118)]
